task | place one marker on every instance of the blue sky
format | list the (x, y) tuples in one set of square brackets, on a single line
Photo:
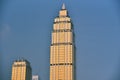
[(25, 31)]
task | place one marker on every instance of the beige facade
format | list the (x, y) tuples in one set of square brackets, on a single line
[(21, 70), (62, 48)]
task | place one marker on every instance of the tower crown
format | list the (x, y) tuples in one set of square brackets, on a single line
[(63, 11)]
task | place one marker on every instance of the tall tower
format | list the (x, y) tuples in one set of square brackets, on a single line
[(62, 48), (21, 70)]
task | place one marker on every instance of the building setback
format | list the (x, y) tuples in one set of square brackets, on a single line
[(62, 48), (21, 70)]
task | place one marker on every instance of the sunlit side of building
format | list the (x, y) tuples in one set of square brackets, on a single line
[(21, 70)]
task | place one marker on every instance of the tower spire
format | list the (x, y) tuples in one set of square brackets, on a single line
[(63, 6)]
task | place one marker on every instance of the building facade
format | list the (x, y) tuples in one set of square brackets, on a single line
[(21, 70), (35, 77), (62, 48)]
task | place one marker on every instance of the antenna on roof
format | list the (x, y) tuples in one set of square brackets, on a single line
[(63, 6)]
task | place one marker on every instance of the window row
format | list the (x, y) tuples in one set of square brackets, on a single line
[(62, 37), (62, 25), (61, 19)]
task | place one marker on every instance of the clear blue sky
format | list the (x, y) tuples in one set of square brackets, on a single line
[(25, 31)]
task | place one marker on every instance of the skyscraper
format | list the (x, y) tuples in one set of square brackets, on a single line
[(21, 70), (62, 48), (35, 77)]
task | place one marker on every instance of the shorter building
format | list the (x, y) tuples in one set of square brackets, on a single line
[(35, 77), (21, 70)]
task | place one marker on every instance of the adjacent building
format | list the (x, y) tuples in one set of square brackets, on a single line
[(35, 77), (21, 70), (62, 48)]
